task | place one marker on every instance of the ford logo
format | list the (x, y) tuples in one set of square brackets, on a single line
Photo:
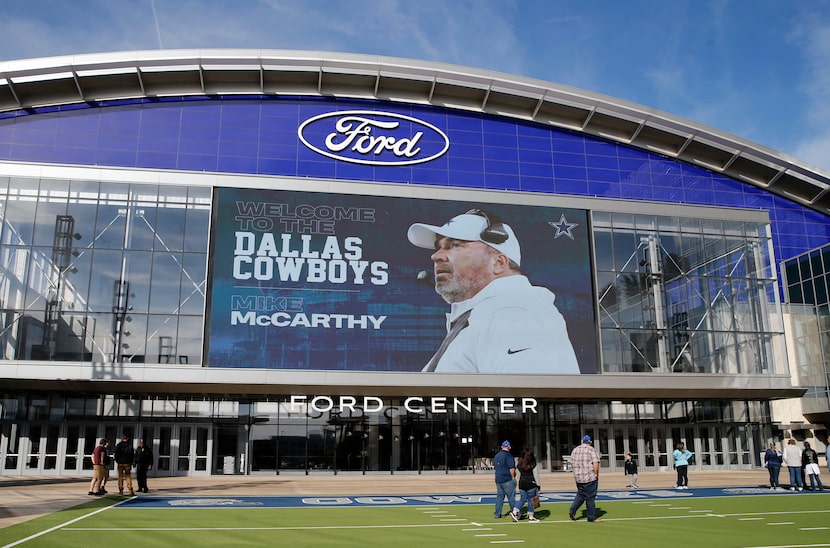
[(373, 138)]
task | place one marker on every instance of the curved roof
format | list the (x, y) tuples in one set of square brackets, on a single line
[(52, 81)]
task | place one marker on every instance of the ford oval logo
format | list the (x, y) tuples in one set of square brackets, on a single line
[(373, 138)]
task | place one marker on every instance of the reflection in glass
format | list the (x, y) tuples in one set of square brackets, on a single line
[(83, 262)]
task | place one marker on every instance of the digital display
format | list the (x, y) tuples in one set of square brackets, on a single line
[(325, 281)]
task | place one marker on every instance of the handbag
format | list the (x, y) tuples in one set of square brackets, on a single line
[(535, 502)]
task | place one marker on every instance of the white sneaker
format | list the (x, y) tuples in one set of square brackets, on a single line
[(792, 488)]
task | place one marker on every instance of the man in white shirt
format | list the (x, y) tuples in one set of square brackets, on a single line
[(498, 321)]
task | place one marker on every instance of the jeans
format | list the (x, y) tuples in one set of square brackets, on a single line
[(795, 476), (506, 490), (773, 475), (587, 493), (524, 497)]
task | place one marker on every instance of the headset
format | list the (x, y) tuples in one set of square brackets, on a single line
[(494, 232)]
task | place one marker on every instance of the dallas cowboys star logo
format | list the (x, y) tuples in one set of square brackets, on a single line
[(563, 227)]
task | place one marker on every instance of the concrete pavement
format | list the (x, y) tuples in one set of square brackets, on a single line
[(24, 497)]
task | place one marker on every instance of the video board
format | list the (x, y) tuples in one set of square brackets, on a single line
[(329, 281)]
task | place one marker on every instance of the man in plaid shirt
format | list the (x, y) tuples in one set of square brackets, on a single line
[(585, 461)]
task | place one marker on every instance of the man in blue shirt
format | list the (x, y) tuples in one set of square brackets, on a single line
[(505, 466)]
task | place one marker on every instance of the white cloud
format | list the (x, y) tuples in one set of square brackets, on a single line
[(814, 35)]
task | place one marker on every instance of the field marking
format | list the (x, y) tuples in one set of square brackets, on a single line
[(285, 528), (478, 529), (61, 526), (813, 528), (416, 526), (791, 546), (700, 511), (782, 523), (493, 535), (751, 519), (505, 541)]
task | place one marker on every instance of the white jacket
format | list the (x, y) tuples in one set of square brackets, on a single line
[(514, 327), (792, 456)]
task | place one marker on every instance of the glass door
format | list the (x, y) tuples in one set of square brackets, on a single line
[(202, 443), (41, 449), (192, 448), (565, 438), (10, 449)]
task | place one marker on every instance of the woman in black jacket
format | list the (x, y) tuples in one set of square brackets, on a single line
[(528, 478)]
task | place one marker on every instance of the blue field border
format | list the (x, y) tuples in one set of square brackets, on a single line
[(339, 501)]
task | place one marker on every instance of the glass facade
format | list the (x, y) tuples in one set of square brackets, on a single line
[(687, 295), (393, 437), (102, 272), (111, 273), (807, 277)]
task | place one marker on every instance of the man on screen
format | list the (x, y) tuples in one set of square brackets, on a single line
[(498, 321)]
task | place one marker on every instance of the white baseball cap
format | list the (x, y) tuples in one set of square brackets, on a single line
[(473, 226)]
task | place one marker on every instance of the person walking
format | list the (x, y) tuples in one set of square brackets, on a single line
[(98, 468), (772, 461), (809, 460), (143, 463), (681, 457), (585, 461), (529, 485), (631, 474), (505, 471), (792, 458), (124, 459)]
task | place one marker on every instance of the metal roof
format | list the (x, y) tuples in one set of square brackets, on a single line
[(89, 78)]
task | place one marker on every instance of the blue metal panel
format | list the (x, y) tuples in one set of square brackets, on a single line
[(258, 135)]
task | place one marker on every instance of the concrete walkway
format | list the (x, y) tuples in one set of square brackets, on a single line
[(23, 497)]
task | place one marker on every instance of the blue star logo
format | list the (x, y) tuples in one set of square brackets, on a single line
[(563, 227)]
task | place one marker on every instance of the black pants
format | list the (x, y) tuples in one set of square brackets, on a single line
[(141, 476), (682, 475)]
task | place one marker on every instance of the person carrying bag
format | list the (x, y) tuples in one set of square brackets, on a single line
[(529, 486)]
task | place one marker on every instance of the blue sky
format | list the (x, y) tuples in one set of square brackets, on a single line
[(759, 69)]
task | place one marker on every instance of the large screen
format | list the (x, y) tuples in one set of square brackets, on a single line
[(324, 281)]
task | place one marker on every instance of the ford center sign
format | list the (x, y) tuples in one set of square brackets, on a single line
[(373, 138)]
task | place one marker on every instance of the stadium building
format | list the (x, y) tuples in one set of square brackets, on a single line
[(218, 251)]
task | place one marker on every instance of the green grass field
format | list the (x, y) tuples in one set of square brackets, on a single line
[(778, 520)]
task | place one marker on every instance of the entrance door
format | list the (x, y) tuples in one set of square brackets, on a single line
[(625, 440), (10, 443), (564, 439), (179, 450), (41, 450), (192, 450)]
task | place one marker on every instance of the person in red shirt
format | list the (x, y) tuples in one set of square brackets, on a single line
[(99, 469)]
